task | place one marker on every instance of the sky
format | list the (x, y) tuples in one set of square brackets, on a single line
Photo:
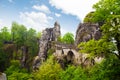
[(41, 14)]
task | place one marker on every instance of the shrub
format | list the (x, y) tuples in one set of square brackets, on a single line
[(48, 70), (14, 72), (109, 69), (73, 73)]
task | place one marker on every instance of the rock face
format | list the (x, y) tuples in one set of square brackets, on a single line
[(49, 34), (3, 76), (36, 63), (86, 32)]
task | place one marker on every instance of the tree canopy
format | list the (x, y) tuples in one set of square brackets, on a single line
[(108, 12), (104, 9), (68, 38)]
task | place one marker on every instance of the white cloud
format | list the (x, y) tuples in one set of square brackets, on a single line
[(10, 1), (36, 20), (77, 8), (49, 17), (63, 31), (57, 15), (4, 23), (42, 8)]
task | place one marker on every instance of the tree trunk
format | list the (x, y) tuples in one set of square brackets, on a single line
[(118, 45)]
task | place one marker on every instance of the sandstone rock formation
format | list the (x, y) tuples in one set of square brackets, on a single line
[(48, 35), (36, 63), (3, 76), (86, 32), (65, 54)]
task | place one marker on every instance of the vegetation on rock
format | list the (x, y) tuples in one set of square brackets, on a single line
[(19, 46)]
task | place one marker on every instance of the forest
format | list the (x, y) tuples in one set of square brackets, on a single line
[(20, 41)]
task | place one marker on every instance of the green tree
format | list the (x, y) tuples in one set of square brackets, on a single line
[(104, 9), (31, 41), (14, 72), (4, 57), (88, 18), (39, 35), (5, 34), (108, 12), (59, 39), (73, 73), (97, 48), (19, 33), (68, 38), (3, 60), (49, 70), (109, 69), (112, 33), (24, 38)]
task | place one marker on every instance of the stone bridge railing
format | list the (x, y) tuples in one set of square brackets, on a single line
[(60, 46)]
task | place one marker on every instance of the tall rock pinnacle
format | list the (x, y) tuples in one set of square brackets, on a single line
[(48, 35), (56, 30)]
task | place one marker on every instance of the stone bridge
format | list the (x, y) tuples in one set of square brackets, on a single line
[(64, 49), (79, 58)]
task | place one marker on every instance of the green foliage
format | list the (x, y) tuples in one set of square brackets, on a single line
[(106, 8), (73, 73), (3, 60), (22, 36), (48, 71), (108, 12), (19, 33), (18, 37), (39, 35), (68, 38), (50, 52), (20, 76), (111, 31), (31, 41), (59, 39), (88, 18), (97, 48), (15, 67), (14, 72), (109, 69), (5, 34)]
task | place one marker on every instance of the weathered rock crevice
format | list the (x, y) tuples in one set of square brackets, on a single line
[(48, 36), (86, 32)]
